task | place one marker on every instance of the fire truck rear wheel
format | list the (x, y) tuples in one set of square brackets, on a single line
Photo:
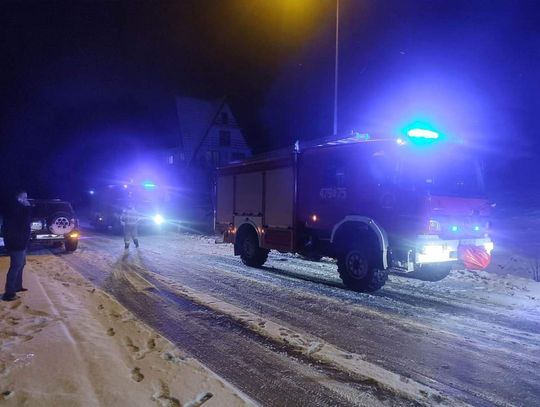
[(250, 252), (358, 273), (432, 272)]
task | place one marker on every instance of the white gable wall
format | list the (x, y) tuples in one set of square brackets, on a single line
[(201, 123), (212, 149)]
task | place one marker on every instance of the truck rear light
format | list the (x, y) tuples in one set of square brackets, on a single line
[(434, 226), (314, 218)]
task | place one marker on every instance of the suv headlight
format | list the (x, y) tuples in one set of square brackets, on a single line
[(158, 219)]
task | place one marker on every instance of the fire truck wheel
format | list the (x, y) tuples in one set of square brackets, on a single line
[(357, 273), (250, 252), (435, 272)]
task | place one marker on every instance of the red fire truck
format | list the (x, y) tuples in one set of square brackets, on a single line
[(413, 205)]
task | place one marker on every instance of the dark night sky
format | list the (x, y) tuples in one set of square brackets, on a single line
[(83, 81)]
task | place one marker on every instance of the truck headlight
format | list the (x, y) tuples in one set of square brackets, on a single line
[(432, 250), (158, 219)]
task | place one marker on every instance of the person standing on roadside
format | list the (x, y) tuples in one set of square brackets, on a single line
[(16, 233), (130, 219)]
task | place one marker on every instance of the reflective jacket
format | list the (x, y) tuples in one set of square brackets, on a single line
[(130, 217)]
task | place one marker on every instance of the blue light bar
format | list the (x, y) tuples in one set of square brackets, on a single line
[(423, 133), (148, 185)]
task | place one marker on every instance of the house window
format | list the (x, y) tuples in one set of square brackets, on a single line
[(171, 159), (224, 118), (213, 158), (224, 138), (237, 156)]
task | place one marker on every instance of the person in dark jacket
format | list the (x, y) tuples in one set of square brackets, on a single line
[(16, 232)]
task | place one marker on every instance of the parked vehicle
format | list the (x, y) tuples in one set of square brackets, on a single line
[(53, 223), (109, 202), (375, 205)]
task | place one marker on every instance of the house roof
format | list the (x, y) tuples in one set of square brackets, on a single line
[(195, 117)]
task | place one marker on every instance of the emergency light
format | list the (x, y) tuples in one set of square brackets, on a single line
[(423, 133), (158, 219)]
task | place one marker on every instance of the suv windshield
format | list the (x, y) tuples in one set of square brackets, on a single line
[(43, 209)]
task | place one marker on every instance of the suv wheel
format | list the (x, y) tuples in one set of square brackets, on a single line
[(358, 273), (71, 244)]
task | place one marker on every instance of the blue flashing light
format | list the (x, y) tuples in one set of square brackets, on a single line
[(454, 228), (400, 141), (477, 228), (91, 192), (125, 186), (148, 185), (423, 133)]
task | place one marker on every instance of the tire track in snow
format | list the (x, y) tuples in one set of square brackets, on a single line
[(196, 270), (226, 349)]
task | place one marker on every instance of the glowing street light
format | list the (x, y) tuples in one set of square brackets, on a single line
[(336, 69)]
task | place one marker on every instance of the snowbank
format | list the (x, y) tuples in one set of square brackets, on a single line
[(64, 342)]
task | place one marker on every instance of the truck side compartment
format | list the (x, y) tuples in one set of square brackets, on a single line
[(259, 194)]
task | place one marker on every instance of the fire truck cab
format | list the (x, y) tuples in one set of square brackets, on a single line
[(374, 205)]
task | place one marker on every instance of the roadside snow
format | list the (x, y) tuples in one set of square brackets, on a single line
[(66, 343), (316, 348)]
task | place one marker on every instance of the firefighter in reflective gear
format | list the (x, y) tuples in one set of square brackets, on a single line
[(130, 219)]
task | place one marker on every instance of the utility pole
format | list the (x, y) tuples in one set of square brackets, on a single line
[(336, 69)]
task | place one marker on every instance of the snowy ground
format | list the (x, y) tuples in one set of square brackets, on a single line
[(66, 343), (290, 334), (517, 241)]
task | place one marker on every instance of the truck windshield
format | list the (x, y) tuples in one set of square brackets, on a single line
[(457, 177)]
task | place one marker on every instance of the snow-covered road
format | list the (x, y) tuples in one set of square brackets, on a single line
[(290, 334)]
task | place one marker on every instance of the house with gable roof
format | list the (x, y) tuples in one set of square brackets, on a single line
[(209, 135)]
